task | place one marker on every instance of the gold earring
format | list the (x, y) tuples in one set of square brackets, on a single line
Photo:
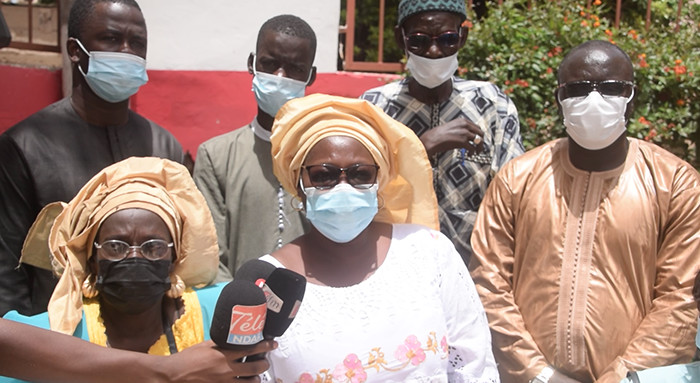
[(177, 288), (380, 202), (88, 288)]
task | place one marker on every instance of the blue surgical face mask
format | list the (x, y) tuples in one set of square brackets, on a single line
[(342, 212), (271, 91), (114, 76)]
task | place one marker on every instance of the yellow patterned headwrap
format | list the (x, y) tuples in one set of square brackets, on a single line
[(405, 177), (158, 185)]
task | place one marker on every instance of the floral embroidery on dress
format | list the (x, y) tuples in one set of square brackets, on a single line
[(353, 370), (411, 350), (350, 370)]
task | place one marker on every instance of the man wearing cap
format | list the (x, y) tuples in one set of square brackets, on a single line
[(469, 128)]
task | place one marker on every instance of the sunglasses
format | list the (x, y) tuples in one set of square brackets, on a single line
[(419, 42), (326, 176), (605, 88)]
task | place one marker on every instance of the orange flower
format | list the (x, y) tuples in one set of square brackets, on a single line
[(642, 60), (680, 69), (652, 134), (549, 70), (608, 32), (531, 122), (680, 102), (596, 24), (582, 13), (584, 23), (678, 61), (644, 121), (468, 24), (597, 2)]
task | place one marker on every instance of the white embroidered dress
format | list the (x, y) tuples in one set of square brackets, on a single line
[(417, 319)]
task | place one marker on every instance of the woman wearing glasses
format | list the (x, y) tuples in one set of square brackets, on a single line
[(128, 249), (388, 298)]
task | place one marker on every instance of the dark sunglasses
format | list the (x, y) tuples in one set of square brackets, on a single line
[(605, 88), (419, 42), (326, 176)]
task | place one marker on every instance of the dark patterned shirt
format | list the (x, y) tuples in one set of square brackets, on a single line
[(460, 181)]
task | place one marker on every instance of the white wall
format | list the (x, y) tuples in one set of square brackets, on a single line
[(219, 34)]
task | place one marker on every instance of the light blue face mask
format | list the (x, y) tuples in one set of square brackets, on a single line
[(271, 91), (342, 212), (114, 76)]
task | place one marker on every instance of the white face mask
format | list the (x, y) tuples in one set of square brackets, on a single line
[(594, 121), (431, 72), (697, 336)]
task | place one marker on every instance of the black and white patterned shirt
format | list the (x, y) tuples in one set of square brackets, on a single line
[(460, 182)]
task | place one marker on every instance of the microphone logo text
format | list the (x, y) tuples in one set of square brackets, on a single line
[(247, 323)]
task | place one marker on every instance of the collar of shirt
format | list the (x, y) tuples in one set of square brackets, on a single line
[(259, 131)]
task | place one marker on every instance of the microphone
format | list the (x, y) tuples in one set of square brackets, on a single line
[(255, 271), (284, 290), (239, 316)]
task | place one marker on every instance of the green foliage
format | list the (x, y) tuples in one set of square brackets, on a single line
[(367, 30), (519, 48)]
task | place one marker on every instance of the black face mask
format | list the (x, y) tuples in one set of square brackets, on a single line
[(133, 285)]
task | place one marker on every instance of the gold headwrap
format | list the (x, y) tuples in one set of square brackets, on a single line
[(405, 177), (157, 185)]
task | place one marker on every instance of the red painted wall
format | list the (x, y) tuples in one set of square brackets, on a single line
[(193, 105), (23, 91)]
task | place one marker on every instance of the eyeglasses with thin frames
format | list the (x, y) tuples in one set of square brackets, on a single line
[(116, 250), (327, 176)]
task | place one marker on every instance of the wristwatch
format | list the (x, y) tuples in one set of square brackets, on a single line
[(543, 376)]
